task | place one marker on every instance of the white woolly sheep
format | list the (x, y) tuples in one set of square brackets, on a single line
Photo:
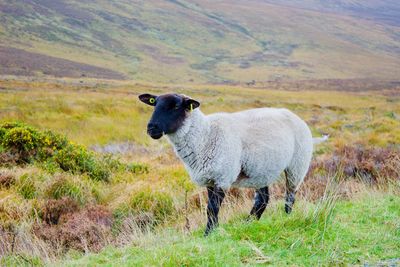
[(249, 148)]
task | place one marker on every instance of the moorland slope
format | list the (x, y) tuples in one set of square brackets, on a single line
[(201, 41)]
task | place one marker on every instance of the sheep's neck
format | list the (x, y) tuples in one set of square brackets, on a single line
[(191, 138)]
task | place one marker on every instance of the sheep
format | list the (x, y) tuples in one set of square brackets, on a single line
[(249, 148)]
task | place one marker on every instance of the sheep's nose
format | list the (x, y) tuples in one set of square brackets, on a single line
[(154, 130), (152, 126)]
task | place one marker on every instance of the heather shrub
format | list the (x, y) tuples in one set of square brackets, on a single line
[(7, 158), (53, 209), (372, 165), (85, 230), (88, 230), (6, 179)]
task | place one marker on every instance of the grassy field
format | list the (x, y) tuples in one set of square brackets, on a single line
[(54, 211), (99, 113)]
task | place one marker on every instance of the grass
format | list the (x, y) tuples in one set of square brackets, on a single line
[(89, 113), (363, 230), (146, 177)]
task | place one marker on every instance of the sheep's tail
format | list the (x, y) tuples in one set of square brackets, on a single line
[(318, 140)]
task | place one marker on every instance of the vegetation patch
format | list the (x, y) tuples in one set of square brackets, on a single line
[(27, 144), (6, 179), (158, 204), (53, 209), (373, 165), (85, 230), (68, 186), (26, 186), (78, 159)]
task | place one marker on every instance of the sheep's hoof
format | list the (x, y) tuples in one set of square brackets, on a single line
[(207, 232), (251, 218), (288, 208)]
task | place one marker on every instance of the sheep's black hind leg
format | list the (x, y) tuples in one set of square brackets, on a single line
[(260, 202), (289, 201), (215, 197), (290, 193)]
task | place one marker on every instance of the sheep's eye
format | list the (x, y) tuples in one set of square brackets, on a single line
[(176, 106)]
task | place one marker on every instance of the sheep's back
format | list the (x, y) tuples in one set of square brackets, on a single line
[(269, 138)]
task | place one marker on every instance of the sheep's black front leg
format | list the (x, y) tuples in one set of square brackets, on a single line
[(215, 197), (260, 202)]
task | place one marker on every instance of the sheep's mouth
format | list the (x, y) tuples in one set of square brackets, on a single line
[(155, 134)]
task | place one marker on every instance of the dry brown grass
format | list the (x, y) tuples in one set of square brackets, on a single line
[(7, 178)]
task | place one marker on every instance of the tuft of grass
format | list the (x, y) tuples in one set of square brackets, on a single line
[(26, 186), (69, 186), (146, 200)]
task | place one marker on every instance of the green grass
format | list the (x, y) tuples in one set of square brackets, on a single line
[(364, 230)]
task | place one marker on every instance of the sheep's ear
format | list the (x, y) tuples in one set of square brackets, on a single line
[(191, 104), (148, 99)]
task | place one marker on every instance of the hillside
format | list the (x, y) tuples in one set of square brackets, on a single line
[(386, 11), (201, 41)]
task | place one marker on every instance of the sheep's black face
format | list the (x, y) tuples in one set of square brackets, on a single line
[(170, 111)]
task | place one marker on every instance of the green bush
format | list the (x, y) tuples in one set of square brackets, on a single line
[(29, 143), (52, 150), (22, 140), (77, 159), (2, 133)]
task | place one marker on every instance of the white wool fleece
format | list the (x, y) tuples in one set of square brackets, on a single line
[(249, 148)]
